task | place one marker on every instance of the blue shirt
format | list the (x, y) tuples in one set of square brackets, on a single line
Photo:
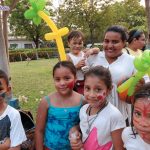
[(59, 121)]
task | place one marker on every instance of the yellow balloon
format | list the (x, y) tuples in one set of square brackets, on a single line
[(56, 34)]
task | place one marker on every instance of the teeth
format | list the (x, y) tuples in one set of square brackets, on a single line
[(110, 50)]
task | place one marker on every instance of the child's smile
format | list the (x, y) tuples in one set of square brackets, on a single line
[(95, 91)]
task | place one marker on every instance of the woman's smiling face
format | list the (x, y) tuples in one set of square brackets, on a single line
[(113, 45)]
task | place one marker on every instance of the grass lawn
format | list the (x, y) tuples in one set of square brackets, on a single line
[(33, 80)]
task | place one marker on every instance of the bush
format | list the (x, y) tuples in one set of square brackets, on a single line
[(33, 54)]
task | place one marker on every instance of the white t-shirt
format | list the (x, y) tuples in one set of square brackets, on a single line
[(133, 143), (100, 126), (75, 60), (12, 120), (121, 69)]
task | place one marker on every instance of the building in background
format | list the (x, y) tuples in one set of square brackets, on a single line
[(19, 43)]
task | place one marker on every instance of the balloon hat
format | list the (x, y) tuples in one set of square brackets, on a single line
[(35, 13), (142, 65)]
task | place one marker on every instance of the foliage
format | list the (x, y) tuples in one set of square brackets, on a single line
[(82, 15), (23, 27), (28, 54), (94, 18), (32, 81), (133, 14)]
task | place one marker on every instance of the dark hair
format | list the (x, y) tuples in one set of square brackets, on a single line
[(102, 73), (75, 34), (135, 33), (119, 29), (142, 92), (4, 76), (66, 64)]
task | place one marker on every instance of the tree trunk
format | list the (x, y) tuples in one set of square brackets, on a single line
[(4, 37), (5, 32), (91, 36), (147, 7), (3, 56)]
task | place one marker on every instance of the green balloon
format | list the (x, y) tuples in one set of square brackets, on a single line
[(41, 4), (146, 56), (29, 14), (37, 20), (138, 64)]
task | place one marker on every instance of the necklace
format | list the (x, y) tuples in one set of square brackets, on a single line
[(91, 120)]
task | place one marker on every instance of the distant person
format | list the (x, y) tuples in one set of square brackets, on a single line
[(101, 123), (12, 134), (78, 57), (137, 137), (59, 111), (136, 42)]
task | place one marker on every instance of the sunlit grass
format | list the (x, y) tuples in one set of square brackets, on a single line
[(33, 80)]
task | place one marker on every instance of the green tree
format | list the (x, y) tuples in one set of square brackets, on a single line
[(84, 15), (93, 17), (20, 26)]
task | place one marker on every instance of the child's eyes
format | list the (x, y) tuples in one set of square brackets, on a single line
[(87, 88), (98, 90), (57, 80), (77, 43), (67, 78), (106, 41), (137, 114)]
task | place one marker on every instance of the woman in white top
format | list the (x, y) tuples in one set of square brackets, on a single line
[(120, 64)]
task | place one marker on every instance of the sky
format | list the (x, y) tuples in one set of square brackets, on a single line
[(57, 2)]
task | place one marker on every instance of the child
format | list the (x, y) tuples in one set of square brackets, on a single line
[(11, 130), (138, 135), (78, 57), (59, 111), (101, 123)]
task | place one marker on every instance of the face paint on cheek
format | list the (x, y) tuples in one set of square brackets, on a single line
[(146, 109), (71, 85), (101, 96)]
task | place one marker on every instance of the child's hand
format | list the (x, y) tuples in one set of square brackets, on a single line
[(80, 64), (75, 138), (91, 51)]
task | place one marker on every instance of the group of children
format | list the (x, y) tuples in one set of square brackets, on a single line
[(68, 120)]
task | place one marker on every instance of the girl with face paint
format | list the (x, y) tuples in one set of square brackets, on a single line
[(138, 135), (101, 123), (58, 112)]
